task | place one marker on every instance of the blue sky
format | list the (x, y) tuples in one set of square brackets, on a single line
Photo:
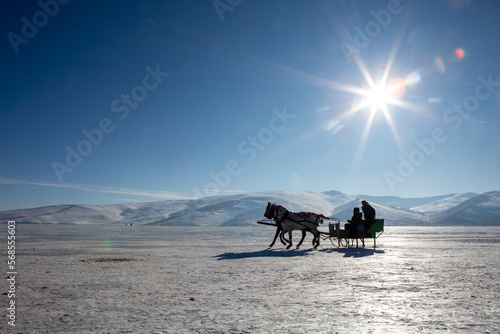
[(123, 101)]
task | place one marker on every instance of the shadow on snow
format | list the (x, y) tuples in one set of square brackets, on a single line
[(264, 253), (348, 252), (353, 252)]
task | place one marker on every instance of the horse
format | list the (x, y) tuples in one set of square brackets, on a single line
[(270, 214), (289, 221), (298, 221)]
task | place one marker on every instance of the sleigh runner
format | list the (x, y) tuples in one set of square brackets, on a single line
[(287, 221)]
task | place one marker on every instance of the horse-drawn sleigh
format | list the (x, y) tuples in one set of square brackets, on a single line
[(286, 221)]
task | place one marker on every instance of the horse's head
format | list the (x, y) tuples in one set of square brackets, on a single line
[(269, 210)]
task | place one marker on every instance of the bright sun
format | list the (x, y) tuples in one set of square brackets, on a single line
[(381, 96), (378, 97)]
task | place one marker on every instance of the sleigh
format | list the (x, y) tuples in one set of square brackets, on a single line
[(286, 221), (344, 238), (340, 237)]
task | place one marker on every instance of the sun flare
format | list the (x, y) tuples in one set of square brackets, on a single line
[(378, 97), (381, 94)]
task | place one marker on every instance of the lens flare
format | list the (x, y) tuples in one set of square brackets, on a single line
[(460, 53), (104, 247), (108, 244), (397, 87), (323, 109), (440, 65), (166, 216), (435, 99), (413, 79), (335, 126)]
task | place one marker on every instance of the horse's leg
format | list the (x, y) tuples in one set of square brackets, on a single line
[(314, 241), (317, 238), (284, 241), (303, 236), (290, 236), (278, 230), (281, 237)]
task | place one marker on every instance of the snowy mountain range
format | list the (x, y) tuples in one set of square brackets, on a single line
[(248, 208)]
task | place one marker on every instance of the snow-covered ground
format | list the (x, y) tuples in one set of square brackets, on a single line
[(215, 279)]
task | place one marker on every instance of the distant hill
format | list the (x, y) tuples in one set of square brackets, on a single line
[(420, 204), (444, 203), (483, 209), (246, 209)]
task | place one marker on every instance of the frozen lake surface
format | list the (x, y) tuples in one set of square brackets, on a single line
[(143, 279)]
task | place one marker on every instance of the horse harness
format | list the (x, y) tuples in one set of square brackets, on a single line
[(319, 218)]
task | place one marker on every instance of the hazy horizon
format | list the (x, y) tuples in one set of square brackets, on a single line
[(360, 196)]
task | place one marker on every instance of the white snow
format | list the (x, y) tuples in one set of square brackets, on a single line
[(444, 203), (206, 279), (480, 210), (246, 209)]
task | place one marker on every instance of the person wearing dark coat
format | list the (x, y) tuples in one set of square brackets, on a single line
[(369, 213), (357, 218)]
